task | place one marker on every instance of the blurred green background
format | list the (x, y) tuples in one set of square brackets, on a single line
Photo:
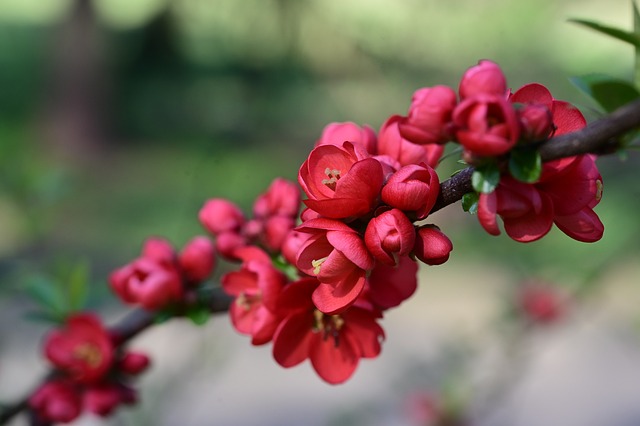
[(118, 118)]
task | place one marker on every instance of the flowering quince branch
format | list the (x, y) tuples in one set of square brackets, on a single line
[(316, 283)]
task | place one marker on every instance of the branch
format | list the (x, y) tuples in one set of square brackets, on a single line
[(600, 137)]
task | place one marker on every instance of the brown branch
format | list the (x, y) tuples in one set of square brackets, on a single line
[(600, 137)]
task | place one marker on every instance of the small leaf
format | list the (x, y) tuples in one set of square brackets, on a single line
[(525, 164), (77, 286), (470, 202), (44, 317), (486, 178), (623, 35), (199, 315), (46, 294), (163, 316), (609, 92)]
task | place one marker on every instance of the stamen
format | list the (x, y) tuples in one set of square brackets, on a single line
[(316, 265), (88, 353), (599, 188), (334, 177)]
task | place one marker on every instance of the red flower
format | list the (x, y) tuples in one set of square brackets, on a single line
[(338, 257), (104, 398), (147, 282), (282, 198), (256, 286), (333, 343), (339, 133), (484, 78), (82, 348), (432, 245), (56, 401), (486, 125), (412, 189), (340, 182), (197, 259), (219, 215), (391, 143), (429, 117), (133, 363), (566, 117), (390, 236), (389, 286)]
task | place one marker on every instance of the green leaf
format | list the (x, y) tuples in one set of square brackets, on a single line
[(470, 202), (623, 35), (163, 316), (47, 295), (485, 178), (44, 317), (77, 286), (199, 315), (609, 92), (525, 164)]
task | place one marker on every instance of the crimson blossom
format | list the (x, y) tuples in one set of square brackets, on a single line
[(333, 343)]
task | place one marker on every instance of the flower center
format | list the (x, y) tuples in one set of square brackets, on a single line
[(333, 177), (89, 353), (328, 325), (599, 188), (316, 265), (245, 300)]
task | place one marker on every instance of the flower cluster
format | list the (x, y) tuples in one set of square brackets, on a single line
[(160, 276), (91, 373)]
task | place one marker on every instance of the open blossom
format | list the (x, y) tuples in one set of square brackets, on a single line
[(389, 286), (412, 189), (392, 144), (341, 182), (333, 343), (429, 117), (337, 256), (256, 287), (390, 236), (82, 348)]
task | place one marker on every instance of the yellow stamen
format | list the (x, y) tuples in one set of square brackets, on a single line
[(88, 353), (316, 265), (599, 188)]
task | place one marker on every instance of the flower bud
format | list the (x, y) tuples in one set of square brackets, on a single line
[(197, 259), (389, 236), (219, 215), (413, 188), (133, 363), (339, 133), (536, 122), (484, 78), (392, 144), (429, 115), (56, 401), (432, 245), (292, 243), (158, 249)]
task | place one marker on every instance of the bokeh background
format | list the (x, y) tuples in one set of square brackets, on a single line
[(119, 118)]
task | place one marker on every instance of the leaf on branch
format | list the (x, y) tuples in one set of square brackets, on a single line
[(627, 36), (199, 315), (470, 202), (485, 178), (609, 92), (525, 164)]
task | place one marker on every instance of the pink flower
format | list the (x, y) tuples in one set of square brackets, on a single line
[(566, 117), (390, 236), (147, 282), (338, 257), (282, 198), (197, 259), (227, 243), (256, 286), (340, 182), (429, 118), (391, 143), (389, 286), (219, 215), (82, 348), (541, 303), (158, 249), (291, 245), (484, 78), (103, 399), (56, 401), (333, 343), (486, 125), (133, 363), (412, 189), (339, 133), (432, 245)]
